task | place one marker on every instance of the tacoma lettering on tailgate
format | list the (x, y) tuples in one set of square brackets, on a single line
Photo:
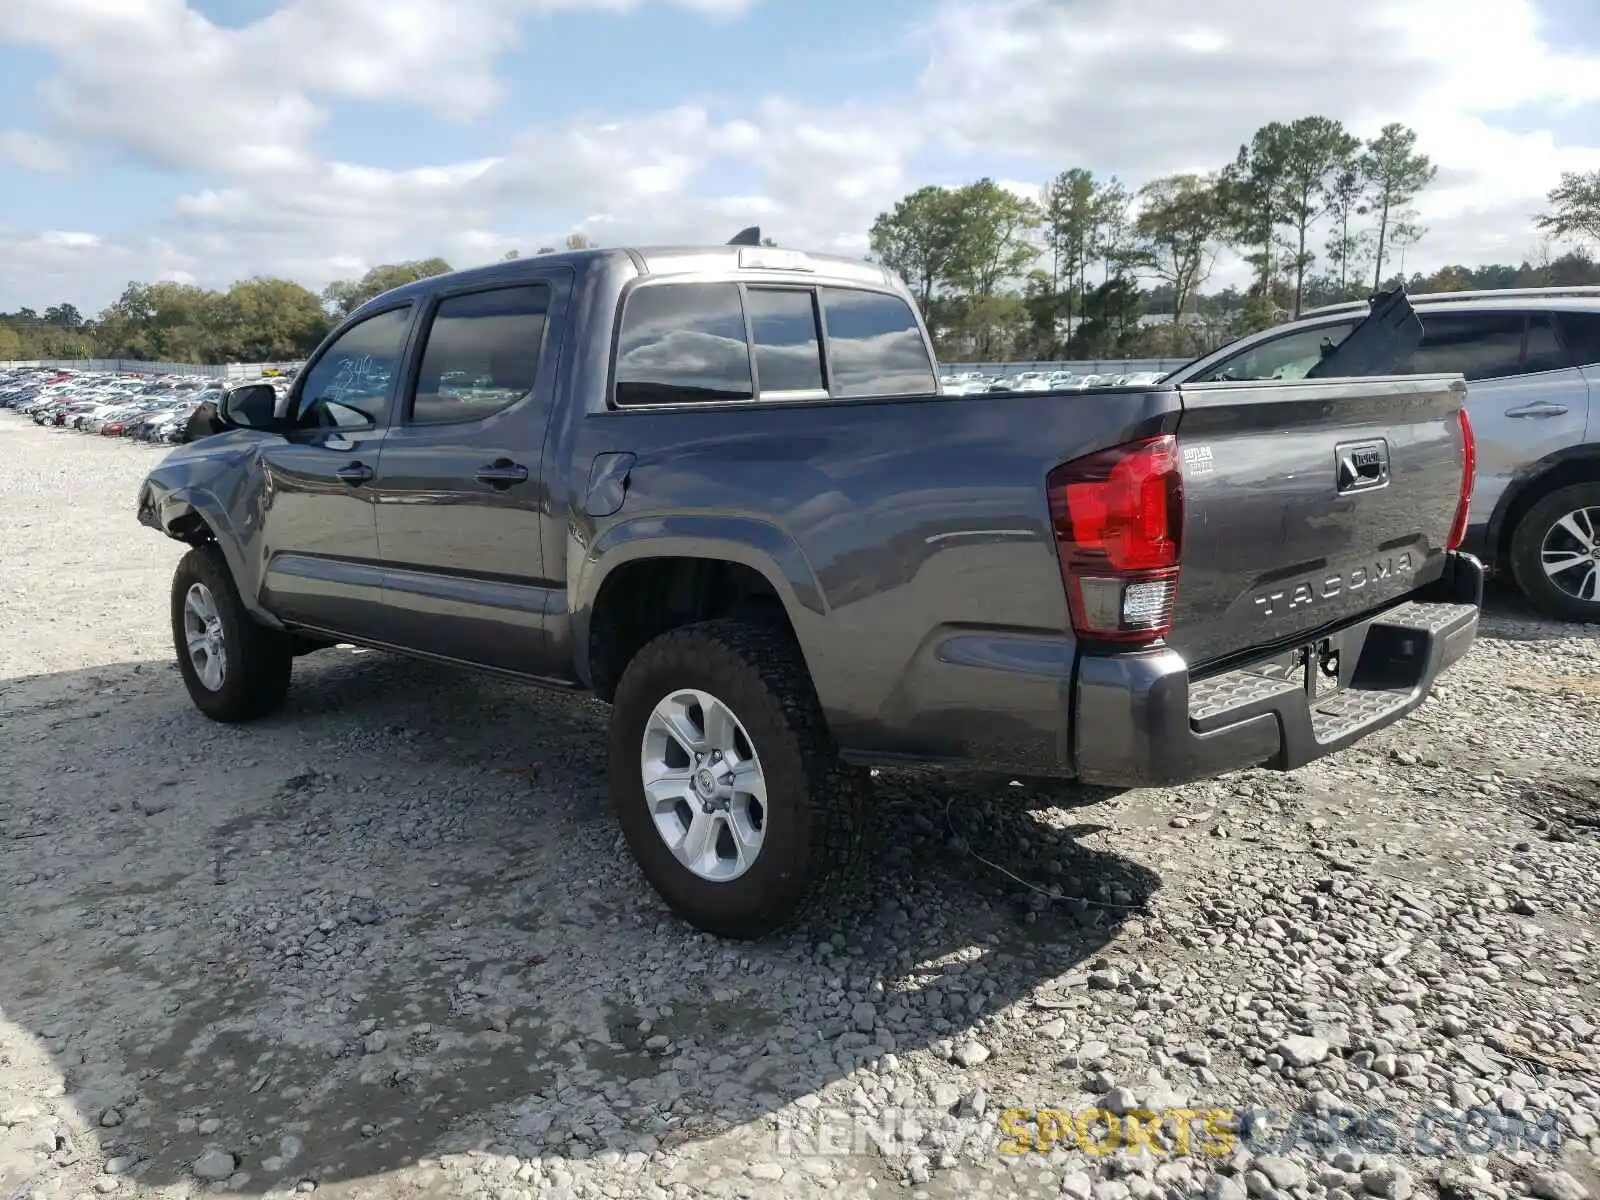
[(1326, 587)]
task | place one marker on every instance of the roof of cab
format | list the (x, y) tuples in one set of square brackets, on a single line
[(678, 260), (663, 260)]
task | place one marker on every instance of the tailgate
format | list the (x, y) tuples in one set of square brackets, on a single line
[(1307, 504)]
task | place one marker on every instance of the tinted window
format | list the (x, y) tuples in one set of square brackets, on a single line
[(481, 354), (874, 346), (1544, 351), (1479, 345), (683, 343), (349, 384), (1581, 332), (784, 326), (1289, 356)]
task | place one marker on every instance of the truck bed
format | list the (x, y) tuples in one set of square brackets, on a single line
[(915, 537)]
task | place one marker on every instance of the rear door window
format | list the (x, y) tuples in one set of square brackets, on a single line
[(1479, 345), (874, 345), (1581, 332), (683, 343), (481, 353), (1543, 350)]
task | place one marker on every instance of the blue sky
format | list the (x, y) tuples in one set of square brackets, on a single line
[(208, 140), (653, 54), (572, 61)]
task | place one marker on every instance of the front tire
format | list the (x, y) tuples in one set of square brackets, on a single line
[(726, 781), (1555, 553), (234, 668)]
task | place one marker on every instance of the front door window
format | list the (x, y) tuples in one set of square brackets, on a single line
[(348, 386)]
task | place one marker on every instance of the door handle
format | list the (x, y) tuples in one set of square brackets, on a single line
[(355, 473), (502, 473), (1539, 408)]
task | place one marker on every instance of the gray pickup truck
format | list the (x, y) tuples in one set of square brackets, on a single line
[(719, 488)]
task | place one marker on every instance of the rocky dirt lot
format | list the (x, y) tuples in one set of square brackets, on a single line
[(388, 943)]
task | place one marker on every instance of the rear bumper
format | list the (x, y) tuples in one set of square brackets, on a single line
[(1140, 721)]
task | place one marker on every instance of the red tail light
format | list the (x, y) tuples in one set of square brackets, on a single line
[(1117, 516), (1469, 479)]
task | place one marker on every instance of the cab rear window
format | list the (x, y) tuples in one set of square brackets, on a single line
[(683, 343), (874, 345), (691, 343)]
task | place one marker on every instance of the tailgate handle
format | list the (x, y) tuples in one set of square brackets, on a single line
[(1362, 465), (1539, 408)]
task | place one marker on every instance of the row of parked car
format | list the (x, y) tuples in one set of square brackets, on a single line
[(138, 407), (157, 409), (972, 383)]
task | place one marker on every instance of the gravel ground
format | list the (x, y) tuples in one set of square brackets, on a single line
[(388, 943)]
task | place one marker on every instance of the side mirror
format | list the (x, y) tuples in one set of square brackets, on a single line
[(252, 406)]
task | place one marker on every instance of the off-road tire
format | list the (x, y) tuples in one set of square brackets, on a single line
[(1527, 541), (258, 659), (813, 818)]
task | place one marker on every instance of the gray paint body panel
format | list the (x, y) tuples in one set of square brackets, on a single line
[(1527, 426), (908, 538)]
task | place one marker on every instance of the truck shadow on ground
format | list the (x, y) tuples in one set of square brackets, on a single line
[(397, 921)]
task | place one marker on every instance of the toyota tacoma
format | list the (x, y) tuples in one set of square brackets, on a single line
[(720, 489)]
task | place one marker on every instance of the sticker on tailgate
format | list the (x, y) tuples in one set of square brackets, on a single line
[(1197, 460)]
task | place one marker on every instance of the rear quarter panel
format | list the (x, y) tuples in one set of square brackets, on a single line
[(909, 539)]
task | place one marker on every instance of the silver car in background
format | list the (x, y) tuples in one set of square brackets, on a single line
[(1531, 358)]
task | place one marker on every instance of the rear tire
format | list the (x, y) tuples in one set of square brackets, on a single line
[(1554, 531), (234, 668), (765, 866)]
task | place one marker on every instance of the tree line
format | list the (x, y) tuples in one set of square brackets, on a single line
[(255, 320), (1092, 270)]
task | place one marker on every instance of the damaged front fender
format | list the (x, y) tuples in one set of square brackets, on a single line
[(172, 512), (209, 491)]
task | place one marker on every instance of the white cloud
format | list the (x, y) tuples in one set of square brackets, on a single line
[(44, 268), (157, 78), (31, 151), (1096, 84), (117, 83), (67, 240), (1138, 90)]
